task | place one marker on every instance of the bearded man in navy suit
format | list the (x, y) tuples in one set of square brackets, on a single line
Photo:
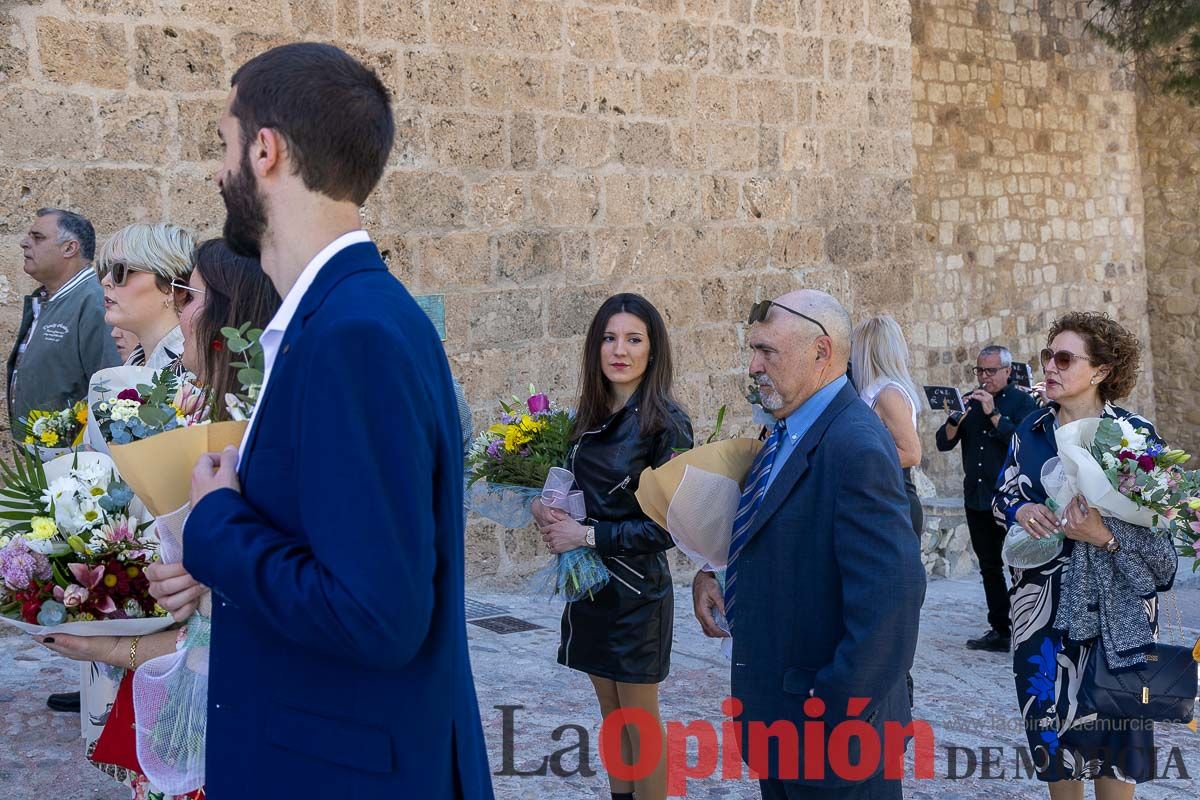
[(333, 541), (824, 585)]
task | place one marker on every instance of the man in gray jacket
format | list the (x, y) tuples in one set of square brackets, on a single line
[(63, 338)]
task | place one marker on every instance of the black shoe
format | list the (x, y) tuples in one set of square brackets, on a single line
[(992, 641), (66, 701)]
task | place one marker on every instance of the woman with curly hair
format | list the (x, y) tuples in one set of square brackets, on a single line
[(1090, 362)]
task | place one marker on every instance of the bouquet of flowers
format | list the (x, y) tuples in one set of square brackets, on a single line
[(76, 549), (520, 458), (53, 432), (1122, 472), (143, 411), (508, 463), (156, 432)]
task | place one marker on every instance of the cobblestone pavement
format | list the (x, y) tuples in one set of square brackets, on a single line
[(967, 697)]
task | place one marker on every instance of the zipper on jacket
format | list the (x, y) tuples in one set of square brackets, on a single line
[(570, 635), (579, 441), (621, 485), (626, 566), (619, 579)]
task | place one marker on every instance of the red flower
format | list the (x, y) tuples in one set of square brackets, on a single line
[(1127, 455), (29, 611), (129, 394), (218, 345), (1146, 463)]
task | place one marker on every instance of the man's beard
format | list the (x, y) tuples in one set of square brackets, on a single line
[(245, 212), (772, 400)]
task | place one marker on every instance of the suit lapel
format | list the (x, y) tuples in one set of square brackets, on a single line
[(359, 257), (796, 465)]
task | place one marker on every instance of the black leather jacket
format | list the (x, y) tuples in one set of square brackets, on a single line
[(607, 462)]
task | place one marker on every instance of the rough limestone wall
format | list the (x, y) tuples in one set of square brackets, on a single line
[(1169, 136), (1028, 196), (702, 152)]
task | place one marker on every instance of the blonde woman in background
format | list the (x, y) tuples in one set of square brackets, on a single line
[(879, 368), (143, 269)]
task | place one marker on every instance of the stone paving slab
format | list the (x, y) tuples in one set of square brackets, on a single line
[(967, 697)]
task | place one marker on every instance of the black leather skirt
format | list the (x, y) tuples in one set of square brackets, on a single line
[(624, 632)]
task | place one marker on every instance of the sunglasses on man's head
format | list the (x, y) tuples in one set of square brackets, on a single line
[(119, 270), (1062, 359), (760, 310)]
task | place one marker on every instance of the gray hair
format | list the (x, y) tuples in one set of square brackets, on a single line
[(74, 227), (998, 350)]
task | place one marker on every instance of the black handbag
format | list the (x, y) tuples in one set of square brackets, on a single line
[(1165, 691)]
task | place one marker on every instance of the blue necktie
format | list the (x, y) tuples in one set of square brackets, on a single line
[(752, 495)]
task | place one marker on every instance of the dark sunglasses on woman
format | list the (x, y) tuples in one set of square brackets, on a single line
[(1062, 359), (120, 271)]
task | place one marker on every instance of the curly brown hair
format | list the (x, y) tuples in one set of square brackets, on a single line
[(1108, 344)]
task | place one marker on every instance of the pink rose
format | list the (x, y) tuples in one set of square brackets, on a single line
[(71, 597), (129, 394), (1146, 463), (539, 402)]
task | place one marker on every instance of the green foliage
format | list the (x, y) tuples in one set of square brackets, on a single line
[(1163, 36), (156, 411), (24, 483), (712, 437), (246, 342)]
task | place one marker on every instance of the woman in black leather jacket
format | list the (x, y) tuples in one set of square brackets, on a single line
[(627, 420)]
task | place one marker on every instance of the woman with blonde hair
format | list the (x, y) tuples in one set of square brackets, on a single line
[(879, 361), (144, 268)]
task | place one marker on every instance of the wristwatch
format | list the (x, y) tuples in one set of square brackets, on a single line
[(589, 536), (1112, 545)]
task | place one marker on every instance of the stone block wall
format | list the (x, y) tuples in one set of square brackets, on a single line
[(1027, 188), (946, 542), (1169, 134), (704, 153)]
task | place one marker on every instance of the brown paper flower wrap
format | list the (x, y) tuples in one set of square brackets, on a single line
[(694, 497), (159, 469)]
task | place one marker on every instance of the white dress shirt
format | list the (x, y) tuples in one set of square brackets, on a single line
[(272, 335)]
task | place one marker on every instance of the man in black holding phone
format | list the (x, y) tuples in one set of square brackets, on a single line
[(985, 429)]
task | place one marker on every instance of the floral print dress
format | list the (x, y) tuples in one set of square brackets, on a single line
[(1065, 742)]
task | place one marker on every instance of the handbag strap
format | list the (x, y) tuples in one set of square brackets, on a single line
[(1173, 601)]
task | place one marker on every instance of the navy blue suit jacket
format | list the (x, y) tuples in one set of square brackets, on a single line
[(830, 583), (339, 664)]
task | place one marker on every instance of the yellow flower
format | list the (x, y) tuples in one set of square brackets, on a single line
[(81, 412), (1194, 504), (530, 425), (515, 439), (43, 528), (49, 438), (29, 440)]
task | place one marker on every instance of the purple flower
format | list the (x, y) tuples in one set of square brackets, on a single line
[(493, 449), (19, 565), (1146, 463), (508, 419), (539, 402)]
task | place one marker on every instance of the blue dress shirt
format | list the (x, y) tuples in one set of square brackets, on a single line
[(800, 420)]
